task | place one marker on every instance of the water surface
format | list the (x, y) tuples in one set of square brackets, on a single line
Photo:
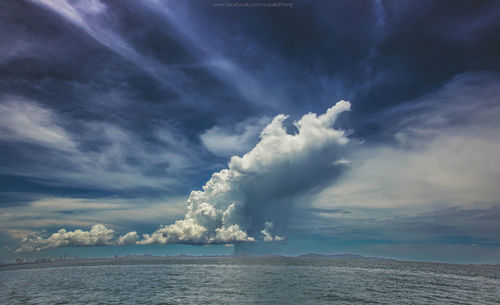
[(249, 281)]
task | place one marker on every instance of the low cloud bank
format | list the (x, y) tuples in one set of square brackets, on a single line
[(98, 235)]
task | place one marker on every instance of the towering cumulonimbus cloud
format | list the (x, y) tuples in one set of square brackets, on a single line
[(251, 199), (253, 196)]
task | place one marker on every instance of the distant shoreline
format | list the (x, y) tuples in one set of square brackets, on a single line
[(183, 257)]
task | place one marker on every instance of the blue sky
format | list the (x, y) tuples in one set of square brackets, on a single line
[(368, 127)]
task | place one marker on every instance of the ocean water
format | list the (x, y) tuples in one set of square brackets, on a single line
[(249, 281)]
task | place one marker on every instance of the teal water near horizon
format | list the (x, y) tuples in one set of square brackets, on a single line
[(249, 281)]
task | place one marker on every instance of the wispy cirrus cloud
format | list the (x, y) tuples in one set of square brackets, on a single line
[(210, 53), (90, 16), (28, 122), (51, 211), (98, 155)]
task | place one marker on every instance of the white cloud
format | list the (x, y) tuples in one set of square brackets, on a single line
[(253, 192), (90, 6), (230, 141), (236, 200), (128, 239), (455, 168), (208, 46), (98, 235), (110, 163), (88, 15), (268, 233), (24, 121), (231, 233), (447, 153)]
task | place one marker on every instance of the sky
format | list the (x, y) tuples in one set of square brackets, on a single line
[(221, 127)]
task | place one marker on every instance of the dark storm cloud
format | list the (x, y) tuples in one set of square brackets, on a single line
[(43, 64), (378, 54)]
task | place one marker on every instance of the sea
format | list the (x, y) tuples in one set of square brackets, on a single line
[(229, 280)]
